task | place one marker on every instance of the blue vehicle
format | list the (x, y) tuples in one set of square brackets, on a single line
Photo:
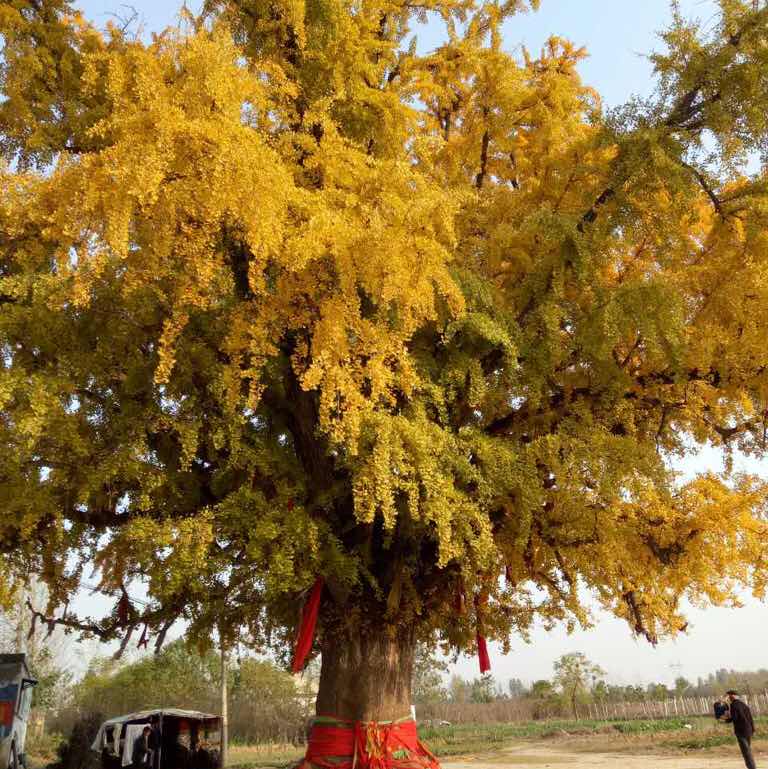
[(16, 686)]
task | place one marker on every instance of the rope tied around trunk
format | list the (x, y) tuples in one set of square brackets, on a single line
[(338, 744)]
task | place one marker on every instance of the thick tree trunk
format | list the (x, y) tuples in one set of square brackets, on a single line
[(366, 676), (364, 703)]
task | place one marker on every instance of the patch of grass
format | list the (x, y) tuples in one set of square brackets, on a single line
[(41, 750), (650, 726), (704, 741), (498, 732), (466, 739), (470, 738), (264, 756)]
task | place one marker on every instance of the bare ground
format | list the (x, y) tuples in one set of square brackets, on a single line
[(523, 755)]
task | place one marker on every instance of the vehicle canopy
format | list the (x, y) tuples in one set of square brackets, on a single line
[(188, 739)]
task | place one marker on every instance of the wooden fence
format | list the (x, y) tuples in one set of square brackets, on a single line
[(674, 707), (524, 709)]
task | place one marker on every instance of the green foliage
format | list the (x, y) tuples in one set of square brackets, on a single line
[(264, 700), (723, 679), (483, 738), (54, 680), (705, 741), (542, 689), (483, 689), (458, 689), (575, 676), (641, 726), (75, 752), (428, 676), (658, 692), (177, 677)]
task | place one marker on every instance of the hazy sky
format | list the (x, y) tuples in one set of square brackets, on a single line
[(616, 34)]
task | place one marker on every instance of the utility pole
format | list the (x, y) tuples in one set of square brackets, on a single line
[(224, 703)]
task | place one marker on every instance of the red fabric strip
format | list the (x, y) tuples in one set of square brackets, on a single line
[(482, 655), (307, 630), (367, 745), (330, 741)]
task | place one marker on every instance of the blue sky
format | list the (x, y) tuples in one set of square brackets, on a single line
[(616, 33)]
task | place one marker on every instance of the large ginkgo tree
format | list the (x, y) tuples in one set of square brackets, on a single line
[(285, 302)]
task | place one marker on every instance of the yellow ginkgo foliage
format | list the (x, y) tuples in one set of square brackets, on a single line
[(283, 298)]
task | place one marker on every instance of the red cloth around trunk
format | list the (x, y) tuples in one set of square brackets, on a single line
[(367, 745), (307, 629)]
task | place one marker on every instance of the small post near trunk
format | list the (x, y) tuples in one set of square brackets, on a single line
[(224, 706), (20, 634)]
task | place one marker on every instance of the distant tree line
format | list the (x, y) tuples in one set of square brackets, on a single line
[(576, 682), (265, 702)]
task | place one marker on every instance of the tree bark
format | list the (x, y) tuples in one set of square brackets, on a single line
[(366, 676)]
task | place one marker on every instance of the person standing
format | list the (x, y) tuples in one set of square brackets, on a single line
[(155, 741), (141, 752), (743, 726)]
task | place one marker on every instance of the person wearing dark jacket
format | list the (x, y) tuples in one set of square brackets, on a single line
[(155, 741), (743, 726), (141, 751)]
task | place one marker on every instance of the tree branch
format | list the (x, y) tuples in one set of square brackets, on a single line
[(716, 202), (636, 617), (600, 201), (480, 178), (686, 110)]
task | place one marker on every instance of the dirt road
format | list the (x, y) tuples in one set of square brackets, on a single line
[(527, 755)]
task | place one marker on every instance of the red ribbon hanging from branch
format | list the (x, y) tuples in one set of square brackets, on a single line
[(481, 599), (482, 654), (307, 630)]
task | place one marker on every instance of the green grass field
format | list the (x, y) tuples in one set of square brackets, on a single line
[(472, 738)]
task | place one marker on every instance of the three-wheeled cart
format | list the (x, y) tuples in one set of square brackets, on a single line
[(178, 739), (16, 686)]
